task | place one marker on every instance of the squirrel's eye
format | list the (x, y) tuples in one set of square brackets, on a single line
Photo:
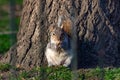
[(53, 33)]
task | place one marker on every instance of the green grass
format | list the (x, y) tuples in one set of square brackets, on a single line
[(5, 25), (3, 2), (17, 21), (4, 43), (112, 74), (3, 13), (19, 2), (5, 67), (62, 73)]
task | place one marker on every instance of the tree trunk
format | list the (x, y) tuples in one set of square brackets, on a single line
[(97, 23)]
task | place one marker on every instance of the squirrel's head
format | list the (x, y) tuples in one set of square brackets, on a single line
[(60, 32), (57, 35)]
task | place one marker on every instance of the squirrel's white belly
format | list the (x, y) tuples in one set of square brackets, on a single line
[(55, 58)]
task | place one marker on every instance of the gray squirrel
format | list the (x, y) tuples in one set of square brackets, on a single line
[(58, 50)]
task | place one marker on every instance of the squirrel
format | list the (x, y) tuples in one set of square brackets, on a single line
[(58, 50)]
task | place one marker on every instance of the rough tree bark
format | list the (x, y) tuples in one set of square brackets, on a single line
[(98, 26)]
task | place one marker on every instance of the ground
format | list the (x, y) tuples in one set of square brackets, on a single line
[(8, 72)]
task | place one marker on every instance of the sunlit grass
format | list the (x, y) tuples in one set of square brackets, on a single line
[(62, 73)]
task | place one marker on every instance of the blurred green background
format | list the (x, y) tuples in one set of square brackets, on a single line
[(5, 22)]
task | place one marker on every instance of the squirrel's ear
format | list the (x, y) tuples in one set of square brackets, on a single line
[(60, 21), (67, 26)]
